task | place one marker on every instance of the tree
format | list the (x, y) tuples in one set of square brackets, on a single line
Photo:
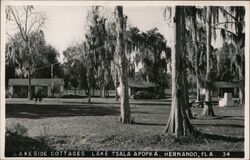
[(94, 48), (29, 25), (233, 31), (148, 48), (50, 55), (224, 68), (194, 29), (73, 68), (208, 109), (178, 123), (122, 66), (114, 73), (235, 17)]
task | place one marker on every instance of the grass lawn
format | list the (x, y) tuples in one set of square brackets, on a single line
[(75, 124)]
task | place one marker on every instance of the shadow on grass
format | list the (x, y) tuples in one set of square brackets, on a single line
[(231, 118), (220, 125), (41, 111), (118, 103), (150, 103), (92, 103), (241, 118), (201, 137), (222, 138), (148, 124), (152, 112), (15, 142)]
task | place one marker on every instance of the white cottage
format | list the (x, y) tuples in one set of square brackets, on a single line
[(18, 88)]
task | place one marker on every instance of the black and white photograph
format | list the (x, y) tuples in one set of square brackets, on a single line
[(124, 79)]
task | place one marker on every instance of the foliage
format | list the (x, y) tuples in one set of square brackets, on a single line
[(224, 66), (74, 70), (150, 49), (50, 56), (18, 140), (98, 52), (24, 59), (18, 130), (22, 49)]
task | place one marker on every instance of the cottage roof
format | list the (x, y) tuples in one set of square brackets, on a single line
[(226, 84), (35, 82), (141, 84)]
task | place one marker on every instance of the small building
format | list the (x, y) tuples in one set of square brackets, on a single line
[(18, 88), (135, 86), (227, 87)]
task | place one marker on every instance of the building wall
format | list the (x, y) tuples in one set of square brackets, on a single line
[(20, 92)]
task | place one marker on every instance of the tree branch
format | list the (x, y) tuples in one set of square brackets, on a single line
[(236, 22), (18, 22), (225, 30), (26, 19), (35, 21), (227, 13), (10, 36)]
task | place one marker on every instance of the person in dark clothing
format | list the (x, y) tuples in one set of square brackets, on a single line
[(39, 96)]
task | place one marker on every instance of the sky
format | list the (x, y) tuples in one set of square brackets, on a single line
[(65, 24)]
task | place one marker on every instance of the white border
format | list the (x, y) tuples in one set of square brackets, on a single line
[(124, 3)]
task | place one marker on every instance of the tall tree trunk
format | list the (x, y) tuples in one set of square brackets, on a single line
[(239, 68), (241, 94), (241, 77), (198, 95), (241, 88), (116, 94), (29, 74), (186, 95), (89, 95), (123, 67), (116, 85), (29, 86), (103, 92), (89, 85), (147, 77), (194, 36), (86, 92), (208, 109), (178, 123)]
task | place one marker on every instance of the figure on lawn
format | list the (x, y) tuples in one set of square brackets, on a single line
[(39, 95)]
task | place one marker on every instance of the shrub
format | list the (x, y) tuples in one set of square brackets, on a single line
[(16, 139)]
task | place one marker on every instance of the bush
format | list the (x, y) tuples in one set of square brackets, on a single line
[(16, 139), (17, 130)]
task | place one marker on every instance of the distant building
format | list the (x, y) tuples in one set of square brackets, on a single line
[(227, 87), (18, 88), (222, 87), (135, 86)]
